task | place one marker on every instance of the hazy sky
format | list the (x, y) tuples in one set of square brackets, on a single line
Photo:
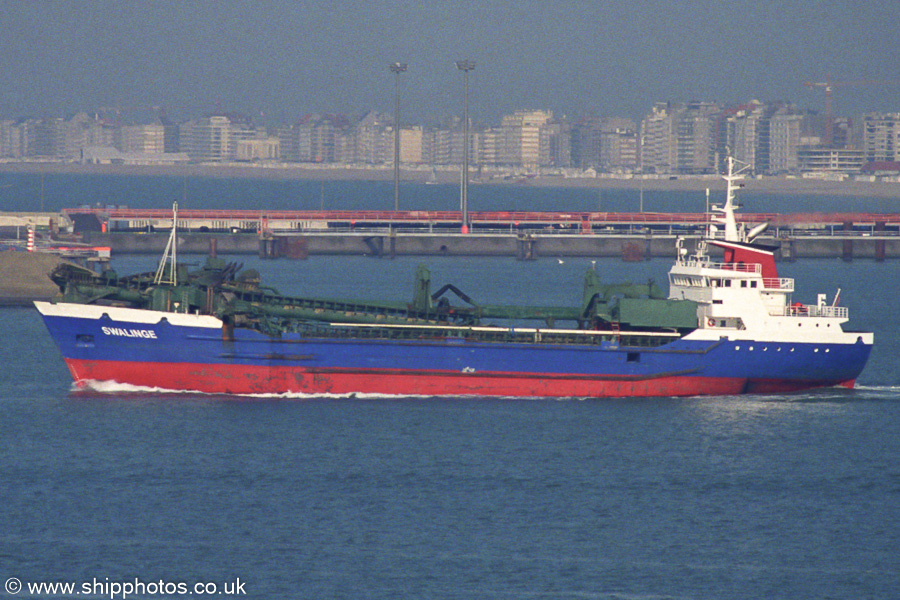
[(287, 58)]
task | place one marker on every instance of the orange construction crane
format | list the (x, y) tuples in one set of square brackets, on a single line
[(828, 85)]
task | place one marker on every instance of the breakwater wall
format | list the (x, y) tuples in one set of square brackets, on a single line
[(521, 246)]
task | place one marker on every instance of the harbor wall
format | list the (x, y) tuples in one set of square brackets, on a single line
[(24, 277), (521, 246)]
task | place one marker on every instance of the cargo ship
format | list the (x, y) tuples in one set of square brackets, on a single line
[(727, 326)]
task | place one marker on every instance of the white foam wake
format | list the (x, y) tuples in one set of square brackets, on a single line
[(116, 388)]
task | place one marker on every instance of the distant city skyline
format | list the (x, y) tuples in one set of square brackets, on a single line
[(675, 138), (147, 112), (281, 59)]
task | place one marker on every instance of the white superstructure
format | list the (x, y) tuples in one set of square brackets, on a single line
[(742, 296)]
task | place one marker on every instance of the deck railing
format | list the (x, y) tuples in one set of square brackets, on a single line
[(733, 267), (781, 284), (813, 310)]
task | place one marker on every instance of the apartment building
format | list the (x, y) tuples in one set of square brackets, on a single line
[(149, 139), (12, 140), (521, 133), (746, 136), (658, 148), (679, 138), (259, 149), (207, 139), (374, 139), (412, 145), (316, 138), (830, 160), (784, 142), (489, 146), (555, 149), (604, 142), (619, 149), (880, 135)]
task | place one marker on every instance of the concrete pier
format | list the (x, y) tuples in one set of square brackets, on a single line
[(522, 246)]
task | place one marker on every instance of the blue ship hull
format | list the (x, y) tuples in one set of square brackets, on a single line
[(171, 353)]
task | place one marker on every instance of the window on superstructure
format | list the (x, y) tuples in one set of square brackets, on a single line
[(753, 284), (743, 283)]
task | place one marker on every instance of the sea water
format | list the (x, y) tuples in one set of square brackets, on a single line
[(770, 496), (51, 192)]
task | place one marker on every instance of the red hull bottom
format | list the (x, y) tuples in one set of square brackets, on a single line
[(234, 379)]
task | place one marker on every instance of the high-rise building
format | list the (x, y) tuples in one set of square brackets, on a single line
[(148, 139), (489, 146), (315, 139), (784, 142), (881, 137), (215, 138), (658, 133), (446, 144), (604, 142), (49, 139), (412, 145), (696, 138), (522, 137), (207, 139), (743, 130), (555, 145), (679, 138), (374, 139), (12, 140)]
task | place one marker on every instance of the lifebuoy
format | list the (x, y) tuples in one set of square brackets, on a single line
[(710, 322)]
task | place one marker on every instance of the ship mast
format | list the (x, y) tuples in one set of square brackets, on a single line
[(170, 254), (727, 216)]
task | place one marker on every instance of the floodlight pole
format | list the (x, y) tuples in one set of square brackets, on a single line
[(465, 66), (397, 68)]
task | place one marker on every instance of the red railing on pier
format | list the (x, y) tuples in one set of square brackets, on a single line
[(504, 217)]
